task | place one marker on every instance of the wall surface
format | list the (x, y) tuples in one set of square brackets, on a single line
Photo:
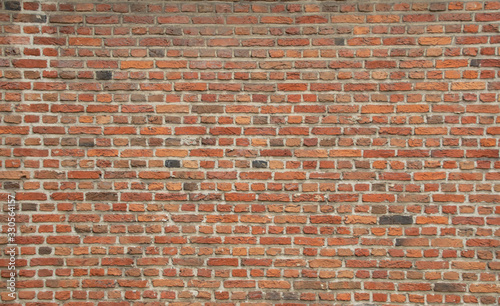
[(251, 153)]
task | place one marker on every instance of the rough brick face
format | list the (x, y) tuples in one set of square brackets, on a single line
[(251, 152)]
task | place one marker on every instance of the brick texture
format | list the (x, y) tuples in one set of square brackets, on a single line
[(251, 153)]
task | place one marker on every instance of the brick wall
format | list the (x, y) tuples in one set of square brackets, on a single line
[(251, 153)]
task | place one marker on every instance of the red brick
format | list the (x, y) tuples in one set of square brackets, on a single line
[(222, 262)]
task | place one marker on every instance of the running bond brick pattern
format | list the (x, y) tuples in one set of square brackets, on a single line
[(252, 153)]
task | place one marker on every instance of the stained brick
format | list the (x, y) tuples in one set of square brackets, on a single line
[(383, 220)]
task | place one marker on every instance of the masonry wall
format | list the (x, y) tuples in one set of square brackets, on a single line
[(251, 153)]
